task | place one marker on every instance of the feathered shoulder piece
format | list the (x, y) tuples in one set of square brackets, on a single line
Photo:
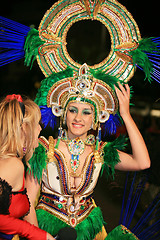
[(5, 196), (38, 162), (109, 151)]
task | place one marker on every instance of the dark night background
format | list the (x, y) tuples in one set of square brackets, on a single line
[(16, 78)]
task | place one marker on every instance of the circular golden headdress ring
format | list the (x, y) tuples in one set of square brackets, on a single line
[(124, 34)]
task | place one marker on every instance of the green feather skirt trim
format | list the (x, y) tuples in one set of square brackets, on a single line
[(121, 233), (86, 230)]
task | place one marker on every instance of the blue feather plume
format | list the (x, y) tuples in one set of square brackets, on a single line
[(47, 117), (152, 59), (155, 60), (148, 226), (110, 126), (12, 39), (128, 211)]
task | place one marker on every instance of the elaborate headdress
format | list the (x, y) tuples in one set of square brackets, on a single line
[(81, 87)]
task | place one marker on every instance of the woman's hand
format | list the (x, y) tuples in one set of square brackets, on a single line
[(123, 94), (49, 237)]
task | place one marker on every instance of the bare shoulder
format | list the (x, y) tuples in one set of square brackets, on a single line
[(12, 163), (11, 170)]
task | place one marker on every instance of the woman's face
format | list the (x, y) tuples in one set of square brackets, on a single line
[(79, 119)]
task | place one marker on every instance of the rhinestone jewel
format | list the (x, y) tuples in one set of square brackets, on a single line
[(73, 221), (82, 85), (72, 208), (76, 146), (61, 198)]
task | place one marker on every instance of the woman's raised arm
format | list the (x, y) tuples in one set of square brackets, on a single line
[(139, 159)]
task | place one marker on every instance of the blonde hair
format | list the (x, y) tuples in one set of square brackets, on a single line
[(14, 126)]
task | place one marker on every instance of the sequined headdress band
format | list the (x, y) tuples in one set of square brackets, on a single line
[(83, 87)]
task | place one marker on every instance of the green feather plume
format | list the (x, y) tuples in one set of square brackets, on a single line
[(111, 156), (108, 79), (32, 43), (38, 162), (140, 58), (147, 45)]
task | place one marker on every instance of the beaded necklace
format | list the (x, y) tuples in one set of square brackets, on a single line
[(76, 147)]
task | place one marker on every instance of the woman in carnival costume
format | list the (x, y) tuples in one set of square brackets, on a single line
[(67, 168), (84, 99), (19, 127)]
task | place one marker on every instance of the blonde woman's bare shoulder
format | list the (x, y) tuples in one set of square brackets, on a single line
[(11, 162), (12, 170)]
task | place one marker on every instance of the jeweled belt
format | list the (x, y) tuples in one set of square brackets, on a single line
[(66, 210)]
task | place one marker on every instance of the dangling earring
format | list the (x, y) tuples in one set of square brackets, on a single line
[(24, 150), (24, 147), (59, 133), (98, 138)]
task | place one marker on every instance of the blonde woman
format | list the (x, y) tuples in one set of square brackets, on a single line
[(19, 130)]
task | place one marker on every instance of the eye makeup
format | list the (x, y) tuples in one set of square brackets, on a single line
[(87, 111), (83, 111), (73, 109)]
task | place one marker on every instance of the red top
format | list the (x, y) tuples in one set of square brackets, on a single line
[(19, 203), (11, 224)]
